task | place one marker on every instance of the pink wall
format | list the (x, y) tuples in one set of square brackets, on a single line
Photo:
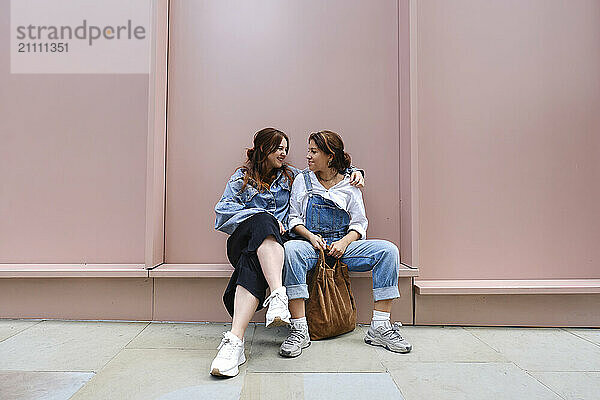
[(507, 123), (235, 67), (72, 165), (503, 136)]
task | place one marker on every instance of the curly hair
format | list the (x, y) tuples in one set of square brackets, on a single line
[(265, 142)]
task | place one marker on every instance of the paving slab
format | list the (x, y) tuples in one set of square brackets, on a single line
[(199, 336), (593, 335), (468, 381), (345, 353), (572, 385), (267, 386), (10, 327), (310, 386), (165, 374), (66, 345), (439, 344), (542, 349), (41, 385)]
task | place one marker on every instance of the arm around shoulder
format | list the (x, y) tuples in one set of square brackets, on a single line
[(358, 215)]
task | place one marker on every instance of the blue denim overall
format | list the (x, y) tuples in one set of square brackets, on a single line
[(325, 218)]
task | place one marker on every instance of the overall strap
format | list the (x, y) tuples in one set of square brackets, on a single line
[(307, 181)]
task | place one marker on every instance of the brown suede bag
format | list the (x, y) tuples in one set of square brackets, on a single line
[(330, 309)]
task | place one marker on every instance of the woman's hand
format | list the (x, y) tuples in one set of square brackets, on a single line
[(357, 179), (338, 248), (281, 227), (318, 242)]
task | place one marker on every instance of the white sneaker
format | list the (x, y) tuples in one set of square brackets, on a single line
[(230, 356), (277, 313), (297, 340), (388, 336)]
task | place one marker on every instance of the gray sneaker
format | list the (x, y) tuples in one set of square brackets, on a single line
[(297, 340), (388, 336)]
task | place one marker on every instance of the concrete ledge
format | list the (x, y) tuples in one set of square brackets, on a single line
[(200, 299), (191, 271), (170, 292), (182, 291), (139, 271), (535, 310), (224, 271), (73, 271), (489, 287), (77, 298)]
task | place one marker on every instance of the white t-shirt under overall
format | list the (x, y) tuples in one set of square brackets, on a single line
[(344, 195)]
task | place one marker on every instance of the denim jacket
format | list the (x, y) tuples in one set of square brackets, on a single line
[(236, 205)]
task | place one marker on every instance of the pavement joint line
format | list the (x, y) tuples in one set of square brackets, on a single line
[(87, 320), (187, 322), (122, 348), (396, 384), (22, 330), (379, 355), (483, 341), (580, 337), (53, 371), (252, 341), (252, 337), (543, 384), (164, 348), (96, 373), (563, 371), (546, 386), (454, 362), (320, 372)]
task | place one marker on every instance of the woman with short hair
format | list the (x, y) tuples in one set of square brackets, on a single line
[(329, 214)]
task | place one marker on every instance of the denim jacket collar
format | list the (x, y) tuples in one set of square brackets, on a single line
[(280, 179)]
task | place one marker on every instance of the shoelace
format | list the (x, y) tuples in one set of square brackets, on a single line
[(271, 297), (228, 350), (393, 332), (295, 336)]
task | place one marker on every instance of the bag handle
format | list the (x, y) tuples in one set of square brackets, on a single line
[(322, 257), (322, 254), (323, 264)]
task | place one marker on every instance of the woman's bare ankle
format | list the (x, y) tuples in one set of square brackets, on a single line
[(239, 334)]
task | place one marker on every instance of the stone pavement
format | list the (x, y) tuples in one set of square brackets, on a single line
[(140, 360)]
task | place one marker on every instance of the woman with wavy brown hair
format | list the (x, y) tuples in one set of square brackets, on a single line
[(254, 211)]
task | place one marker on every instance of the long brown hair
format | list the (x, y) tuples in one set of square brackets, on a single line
[(331, 143), (265, 142)]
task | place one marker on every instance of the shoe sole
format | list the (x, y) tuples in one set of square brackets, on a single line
[(278, 322), (292, 355), (228, 372), (375, 342)]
